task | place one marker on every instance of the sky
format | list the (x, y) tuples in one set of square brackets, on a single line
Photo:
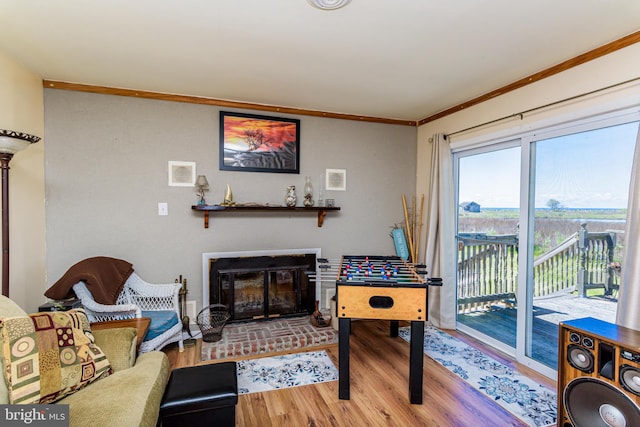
[(276, 132), (584, 170)]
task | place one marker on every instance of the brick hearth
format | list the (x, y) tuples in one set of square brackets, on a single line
[(246, 339)]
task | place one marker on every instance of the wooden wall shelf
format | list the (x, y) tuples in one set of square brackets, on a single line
[(321, 210)]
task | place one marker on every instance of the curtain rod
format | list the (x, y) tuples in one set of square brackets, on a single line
[(521, 114)]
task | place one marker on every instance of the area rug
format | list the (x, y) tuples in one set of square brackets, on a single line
[(533, 403), (291, 370)]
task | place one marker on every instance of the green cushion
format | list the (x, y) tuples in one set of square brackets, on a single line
[(130, 397), (8, 308), (119, 345)]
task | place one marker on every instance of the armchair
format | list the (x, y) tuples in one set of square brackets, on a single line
[(140, 299)]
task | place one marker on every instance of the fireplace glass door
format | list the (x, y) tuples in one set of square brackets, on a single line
[(263, 287), (262, 293), (246, 290), (282, 293)]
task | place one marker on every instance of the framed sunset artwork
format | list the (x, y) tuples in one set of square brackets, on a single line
[(253, 143)]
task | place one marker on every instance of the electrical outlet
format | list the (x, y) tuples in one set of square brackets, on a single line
[(191, 311), (163, 209)]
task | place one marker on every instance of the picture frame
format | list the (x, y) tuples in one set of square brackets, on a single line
[(182, 174), (335, 180), (255, 143)]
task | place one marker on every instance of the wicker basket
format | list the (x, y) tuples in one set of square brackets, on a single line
[(211, 320)]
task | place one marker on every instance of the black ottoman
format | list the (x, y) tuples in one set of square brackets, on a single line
[(201, 395)]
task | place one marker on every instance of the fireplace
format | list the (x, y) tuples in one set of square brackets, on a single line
[(261, 284)]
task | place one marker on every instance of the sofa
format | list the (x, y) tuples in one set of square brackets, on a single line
[(128, 390)]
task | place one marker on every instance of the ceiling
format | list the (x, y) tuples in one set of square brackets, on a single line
[(396, 59)]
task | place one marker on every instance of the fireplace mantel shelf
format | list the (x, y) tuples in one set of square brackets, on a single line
[(321, 210)]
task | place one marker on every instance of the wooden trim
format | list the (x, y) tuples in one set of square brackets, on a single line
[(563, 66), (53, 84)]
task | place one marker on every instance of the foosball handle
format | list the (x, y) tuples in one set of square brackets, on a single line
[(421, 269), (434, 281)]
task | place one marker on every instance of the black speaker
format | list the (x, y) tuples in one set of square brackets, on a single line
[(580, 358), (591, 402), (598, 374), (630, 379)]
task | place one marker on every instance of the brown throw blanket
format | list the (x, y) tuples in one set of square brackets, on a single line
[(104, 277)]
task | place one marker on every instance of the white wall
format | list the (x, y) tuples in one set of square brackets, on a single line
[(620, 66), (21, 109), (107, 170)]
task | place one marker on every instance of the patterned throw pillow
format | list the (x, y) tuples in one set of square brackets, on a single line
[(50, 355)]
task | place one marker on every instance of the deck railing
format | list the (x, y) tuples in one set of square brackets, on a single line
[(487, 270), (488, 267), (557, 270)]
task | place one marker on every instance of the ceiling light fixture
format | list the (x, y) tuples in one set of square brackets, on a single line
[(329, 4)]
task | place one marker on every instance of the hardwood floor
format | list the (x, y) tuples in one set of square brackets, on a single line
[(379, 390)]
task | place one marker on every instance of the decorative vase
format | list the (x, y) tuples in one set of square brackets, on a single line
[(290, 198), (308, 192)]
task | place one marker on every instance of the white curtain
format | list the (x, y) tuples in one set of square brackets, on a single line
[(440, 255), (628, 314)]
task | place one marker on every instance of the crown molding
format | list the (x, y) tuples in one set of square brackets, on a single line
[(53, 84)]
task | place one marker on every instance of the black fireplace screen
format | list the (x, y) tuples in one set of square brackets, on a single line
[(263, 287)]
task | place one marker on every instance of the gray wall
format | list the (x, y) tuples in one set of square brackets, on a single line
[(106, 170)]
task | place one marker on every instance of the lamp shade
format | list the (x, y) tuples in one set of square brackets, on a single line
[(11, 141), (202, 183)]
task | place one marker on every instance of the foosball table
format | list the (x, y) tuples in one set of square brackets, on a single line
[(386, 288)]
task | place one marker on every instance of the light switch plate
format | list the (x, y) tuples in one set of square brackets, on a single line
[(163, 209)]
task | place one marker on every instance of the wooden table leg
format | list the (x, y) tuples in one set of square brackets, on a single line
[(344, 330), (416, 362)]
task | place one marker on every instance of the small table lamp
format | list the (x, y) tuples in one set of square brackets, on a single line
[(10, 143), (202, 185)]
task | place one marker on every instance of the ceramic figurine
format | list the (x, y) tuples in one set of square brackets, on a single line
[(290, 199), (228, 197)]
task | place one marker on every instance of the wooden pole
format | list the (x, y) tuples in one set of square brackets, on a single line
[(419, 226), (413, 226), (408, 225), (4, 159)]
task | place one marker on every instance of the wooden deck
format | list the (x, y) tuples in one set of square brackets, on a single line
[(548, 312)]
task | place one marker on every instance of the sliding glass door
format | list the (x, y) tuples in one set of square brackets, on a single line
[(488, 216), (579, 186), (540, 232)]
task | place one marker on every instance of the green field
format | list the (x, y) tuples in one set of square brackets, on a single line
[(571, 214), (551, 227)]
